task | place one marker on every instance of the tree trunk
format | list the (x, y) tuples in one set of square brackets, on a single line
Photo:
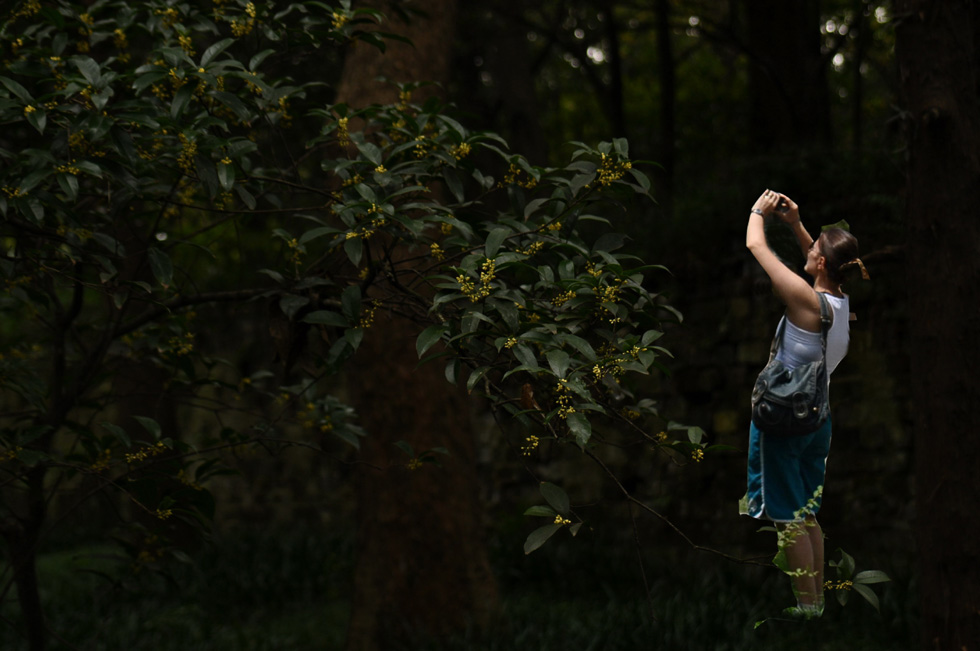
[(789, 100), (938, 51), (422, 566)]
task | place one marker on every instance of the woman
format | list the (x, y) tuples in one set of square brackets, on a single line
[(786, 473)]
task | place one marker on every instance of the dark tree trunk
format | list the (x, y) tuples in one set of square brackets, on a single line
[(938, 51), (667, 127), (422, 566), (789, 100)]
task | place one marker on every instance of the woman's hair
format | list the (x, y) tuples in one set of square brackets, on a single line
[(840, 248)]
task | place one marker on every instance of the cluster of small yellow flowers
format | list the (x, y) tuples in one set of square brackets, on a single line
[(13, 193), (363, 273), (661, 437), (243, 26), (517, 176), (10, 455), (87, 23), (163, 514), (16, 44), (367, 319), (339, 19), (446, 227), (511, 342), (244, 383), (283, 111), (187, 152), (297, 251), (326, 426), (608, 293), (533, 248), (151, 551), (413, 464), (380, 169), (470, 289), (121, 42), (183, 345), (598, 372), (404, 99), (29, 8), (176, 79), (530, 445), (354, 180), (591, 270), (343, 135), (68, 169), (28, 110), (460, 151), (560, 521), (839, 585), (564, 400), (436, 251), (168, 16), (563, 298), (697, 454), (611, 170), (145, 453), (631, 414), (219, 10), (423, 146), (102, 461), (184, 479), (187, 45), (553, 226)]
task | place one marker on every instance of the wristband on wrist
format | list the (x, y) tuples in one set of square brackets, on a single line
[(758, 212)]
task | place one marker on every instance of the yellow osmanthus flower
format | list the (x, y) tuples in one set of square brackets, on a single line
[(839, 585), (144, 453), (564, 400), (553, 226), (530, 445), (367, 319), (413, 464), (533, 248), (460, 151), (187, 153), (511, 342), (168, 16), (517, 176), (661, 437), (163, 514), (380, 169), (611, 170), (697, 455), (339, 19), (187, 45), (436, 251), (28, 110), (562, 521), (446, 228), (563, 298), (343, 135)]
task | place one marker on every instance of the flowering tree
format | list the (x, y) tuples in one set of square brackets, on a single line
[(159, 166)]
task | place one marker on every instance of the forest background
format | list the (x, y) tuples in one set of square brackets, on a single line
[(400, 523)]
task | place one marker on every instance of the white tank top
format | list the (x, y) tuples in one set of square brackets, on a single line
[(801, 347)]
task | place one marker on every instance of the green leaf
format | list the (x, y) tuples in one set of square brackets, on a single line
[(17, 90), (871, 576), (558, 360), (150, 425), (119, 433), (226, 175), (475, 377), (89, 69), (37, 119), (181, 99), (580, 427), (556, 497), (539, 537), (162, 267), (215, 50), (290, 304), (326, 317), (350, 301), (354, 248), (428, 338), (454, 183), (868, 595), (494, 240), (370, 151), (541, 511)]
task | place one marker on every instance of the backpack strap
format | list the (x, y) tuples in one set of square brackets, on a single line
[(826, 320)]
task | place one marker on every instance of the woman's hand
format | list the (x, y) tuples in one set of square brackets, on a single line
[(787, 209), (766, 203)]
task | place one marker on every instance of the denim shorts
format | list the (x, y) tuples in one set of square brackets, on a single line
[(786, 474)]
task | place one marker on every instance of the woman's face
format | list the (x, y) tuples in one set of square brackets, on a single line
[(813, 257)]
